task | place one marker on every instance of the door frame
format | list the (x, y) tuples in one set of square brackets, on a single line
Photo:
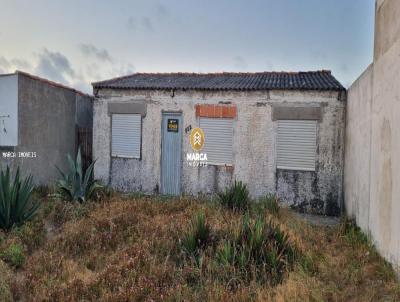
[(176, 113)]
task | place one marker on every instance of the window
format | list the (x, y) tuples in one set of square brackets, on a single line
[(218, 133), (126, 135), (296, 145)]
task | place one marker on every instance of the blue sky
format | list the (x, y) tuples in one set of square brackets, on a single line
[(78, 42)]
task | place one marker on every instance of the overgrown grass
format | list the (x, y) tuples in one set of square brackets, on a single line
[(131, 248), (268, 203)]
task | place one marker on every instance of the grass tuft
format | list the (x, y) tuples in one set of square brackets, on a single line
[(196, 237), (270, 204), (235, 197), (14, 255)]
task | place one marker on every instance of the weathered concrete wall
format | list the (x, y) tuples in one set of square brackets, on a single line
[(320, 191), (253, 149), (387, 26), (378, 213), (46, 116), (358, 149)]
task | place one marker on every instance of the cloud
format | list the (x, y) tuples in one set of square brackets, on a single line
[(132, 23), (20, 64), (147, 23), (239, 63), (89, 50), (144, 23), (54, 65), (13, 64), (162, 10), (4, 64), (123, 69)]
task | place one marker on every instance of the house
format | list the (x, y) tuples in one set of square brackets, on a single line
[(372, 166), (278, 132), (39, 124)]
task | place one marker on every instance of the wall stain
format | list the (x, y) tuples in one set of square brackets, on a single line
[(385, 184)]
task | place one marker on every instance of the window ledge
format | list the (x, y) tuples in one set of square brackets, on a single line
[(125, 157), (295, 169)]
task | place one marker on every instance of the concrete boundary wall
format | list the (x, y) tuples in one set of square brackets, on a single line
[(358, 149), (372, 146)]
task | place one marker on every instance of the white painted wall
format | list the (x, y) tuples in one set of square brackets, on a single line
[(372, 170), (358, 149), (9, 110)]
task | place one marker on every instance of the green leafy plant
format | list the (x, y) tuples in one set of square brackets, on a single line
[(197, 236), (227, 253), (16, 206), (14, 255), (259, 247), (235, 197), (353, 233), (270, 203), (76, 184)]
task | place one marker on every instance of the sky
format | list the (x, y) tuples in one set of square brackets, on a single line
[(78, 42)]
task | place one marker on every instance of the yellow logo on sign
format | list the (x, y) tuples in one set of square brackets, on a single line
[(197, 139)]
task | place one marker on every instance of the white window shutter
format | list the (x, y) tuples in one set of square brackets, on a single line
[(296, 145), (126, 132), (218, 143)]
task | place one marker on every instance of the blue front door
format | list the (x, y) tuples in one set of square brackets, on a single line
[(171, 153)]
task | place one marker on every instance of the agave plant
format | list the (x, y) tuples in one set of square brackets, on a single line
[(16, 206), (76, 184)]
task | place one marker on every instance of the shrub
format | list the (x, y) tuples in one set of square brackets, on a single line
[(235, 197), (260, 247), (32, 234), (16, 206), (76, 184), (197, 236), (14, 255), (270, 203), (66, 211)]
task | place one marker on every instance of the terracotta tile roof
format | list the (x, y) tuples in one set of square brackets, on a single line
[(310, 80)]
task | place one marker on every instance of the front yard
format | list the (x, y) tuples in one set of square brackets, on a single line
[(138, 248)]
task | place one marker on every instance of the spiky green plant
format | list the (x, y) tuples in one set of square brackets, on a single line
[(197, 236), (226, 255), (270, 203), (235, 197), (16, 206), (76, 184), (259, 246)]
